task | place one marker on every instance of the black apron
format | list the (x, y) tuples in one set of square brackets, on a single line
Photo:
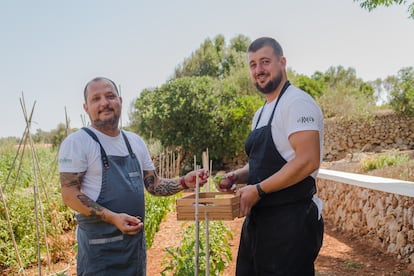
[(102, 248), (282, 234)]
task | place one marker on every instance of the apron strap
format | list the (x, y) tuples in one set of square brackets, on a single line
[(285, 86), (104, 157), (128, 145)]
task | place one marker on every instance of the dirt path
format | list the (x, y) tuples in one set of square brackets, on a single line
[(341, 254)]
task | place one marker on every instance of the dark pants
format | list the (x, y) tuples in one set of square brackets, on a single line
[(280, 240)]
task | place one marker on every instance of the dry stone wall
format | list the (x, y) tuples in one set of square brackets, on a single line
[(342, 137), (385, 219), (385, 130)]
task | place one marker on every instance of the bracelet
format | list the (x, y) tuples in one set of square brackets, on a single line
[(260, 191), (182, 182)]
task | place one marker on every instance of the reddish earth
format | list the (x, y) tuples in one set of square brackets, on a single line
[(341, 254)]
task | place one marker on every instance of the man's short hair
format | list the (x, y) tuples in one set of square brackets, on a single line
[(266, 41), (85, 90)]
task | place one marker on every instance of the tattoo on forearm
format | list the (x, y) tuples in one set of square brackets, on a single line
[(149, 182), (96, 209), (167, 187), (163, 187), (71, 179)]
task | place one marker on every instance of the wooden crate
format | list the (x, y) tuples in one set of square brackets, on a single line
[(218, 206)]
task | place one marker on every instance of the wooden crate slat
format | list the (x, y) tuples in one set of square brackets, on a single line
[(219, 206)]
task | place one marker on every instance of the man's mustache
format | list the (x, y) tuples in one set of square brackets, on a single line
[(106, 109)]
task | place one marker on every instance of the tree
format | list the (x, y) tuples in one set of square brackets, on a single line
[(196, 113), (213, 58), (313, 86), (345, 94), (402, 91), (205, 61), (42, 136), (208, 103), (373, 4), (58, 134), (339, 76)]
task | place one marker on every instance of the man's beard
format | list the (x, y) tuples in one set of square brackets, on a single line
[(271, 85), (111, 123)]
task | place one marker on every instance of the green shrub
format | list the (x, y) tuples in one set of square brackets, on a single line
[(26, 223), (181, 260), (156, 209), (30, 226)]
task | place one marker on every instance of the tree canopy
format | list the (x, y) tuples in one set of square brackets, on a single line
[(373, 4), (402, 91), (197, 113), (214, 58)]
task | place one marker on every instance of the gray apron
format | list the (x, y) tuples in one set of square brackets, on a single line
[(102, 248)]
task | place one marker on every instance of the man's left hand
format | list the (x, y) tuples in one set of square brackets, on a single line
[(248, 198)]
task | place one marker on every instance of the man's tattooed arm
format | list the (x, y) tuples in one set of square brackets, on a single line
[(161, 186), (75, 199)]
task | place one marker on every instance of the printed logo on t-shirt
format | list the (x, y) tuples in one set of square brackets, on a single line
[(305, 120), (65, 160)]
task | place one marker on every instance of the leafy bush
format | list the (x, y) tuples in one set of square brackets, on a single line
[(181, 260), (27, 222), (32, 228), (156, 208)]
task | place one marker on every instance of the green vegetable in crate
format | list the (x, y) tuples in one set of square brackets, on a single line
[(222, 182)]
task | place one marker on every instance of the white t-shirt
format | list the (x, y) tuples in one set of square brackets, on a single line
[(80, 153), (296, 111)]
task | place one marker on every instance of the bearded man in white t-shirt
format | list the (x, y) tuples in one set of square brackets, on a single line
[(103, 171), (283, 229)]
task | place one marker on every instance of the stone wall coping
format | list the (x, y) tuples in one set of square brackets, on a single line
[(389, 185)]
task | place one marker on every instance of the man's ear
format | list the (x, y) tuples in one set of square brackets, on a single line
[(283, 61)]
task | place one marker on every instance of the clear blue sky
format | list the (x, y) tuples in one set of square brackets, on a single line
[(50, 49)]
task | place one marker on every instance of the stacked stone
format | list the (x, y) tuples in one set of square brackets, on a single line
[(384, 219)]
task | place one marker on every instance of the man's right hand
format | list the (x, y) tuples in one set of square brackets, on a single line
[(127, 224)]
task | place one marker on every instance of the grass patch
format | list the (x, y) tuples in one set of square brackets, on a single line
[(352, 264), (384, 160)]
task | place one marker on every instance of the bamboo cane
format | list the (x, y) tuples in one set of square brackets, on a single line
[(197, 223), (206, 167)]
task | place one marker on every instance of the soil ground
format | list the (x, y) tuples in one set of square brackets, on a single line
[(341, 254)]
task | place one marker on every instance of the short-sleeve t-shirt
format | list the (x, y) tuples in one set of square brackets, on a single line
[(296, 111), (80, 153)]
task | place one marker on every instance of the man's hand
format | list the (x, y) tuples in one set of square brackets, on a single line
[(127, 224), (190, 179), (226, 183), (248, 198)]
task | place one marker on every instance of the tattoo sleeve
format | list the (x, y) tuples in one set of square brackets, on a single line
[(96, 210), (71, 179), (72, 182), (160, 186)]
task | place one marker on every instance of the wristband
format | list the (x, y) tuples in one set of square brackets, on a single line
[(260, 191), (182, 182)]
